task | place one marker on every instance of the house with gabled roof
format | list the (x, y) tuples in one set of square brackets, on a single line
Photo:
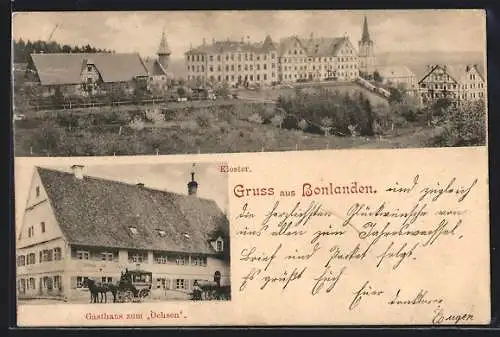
[(77, 227), (460, 83), (86, 73)]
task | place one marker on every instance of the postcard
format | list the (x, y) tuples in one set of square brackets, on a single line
[(251, 168)]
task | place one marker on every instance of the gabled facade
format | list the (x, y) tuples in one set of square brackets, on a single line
[(459, 83), (77, 227)]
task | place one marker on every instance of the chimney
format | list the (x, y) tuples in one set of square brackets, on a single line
[(140, 185), (77, 171), (192, 185)]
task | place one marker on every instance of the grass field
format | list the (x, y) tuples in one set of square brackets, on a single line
[(221, 126)]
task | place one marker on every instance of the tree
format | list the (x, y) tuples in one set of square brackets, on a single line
[(181, 91), (377, 77), (277, 120)]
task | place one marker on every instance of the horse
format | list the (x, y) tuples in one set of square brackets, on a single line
[(108, 287), (94, 290)]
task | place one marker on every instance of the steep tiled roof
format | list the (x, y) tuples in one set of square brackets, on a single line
[(314, 47), (317, 47), (57, 69), (97, 212), (395, 71), (456, 71), (154, 67)]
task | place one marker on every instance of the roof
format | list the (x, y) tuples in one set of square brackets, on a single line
[(62, 68), (456, 71), (154, 67), (365, 37), (319, 47), (315, 47), (395, 71), (163, 49), (98, 212)]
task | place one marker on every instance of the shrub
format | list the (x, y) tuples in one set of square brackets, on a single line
[(255, 118), (204, 118)]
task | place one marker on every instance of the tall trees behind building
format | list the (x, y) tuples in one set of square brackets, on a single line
[(23, 49)]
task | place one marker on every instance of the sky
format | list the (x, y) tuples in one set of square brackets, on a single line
[(392, 31)]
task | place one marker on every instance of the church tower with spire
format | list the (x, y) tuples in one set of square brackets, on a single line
[(366, 55), (164, 52)]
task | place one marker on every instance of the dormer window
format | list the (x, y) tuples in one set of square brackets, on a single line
[(37, 191), (133, 230), (42, 226), (186, 236), (161, 232), (89, 68), (219, 245)]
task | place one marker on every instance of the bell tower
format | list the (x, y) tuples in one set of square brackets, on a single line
[(164, 52), (366, 55)]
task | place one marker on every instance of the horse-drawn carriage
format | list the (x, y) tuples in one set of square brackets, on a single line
[(211, 290), (133, 286)]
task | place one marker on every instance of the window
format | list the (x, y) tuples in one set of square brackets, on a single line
[(31, 231), (22, 285), (219, 68), (265, 77), (31, 283), (57, 254), (258, 66), (47, 255), (133, 230), (89, 68), (199, 261), (31, 258), (211, 57), (21, 260), (211, 68), (42, 226), (137, 257), (105, 279), (220, 243), (182, 260), (232, 67), (80, 281), (227, 67), (218, 57), (160, 258), (57, 282), (37, 191), (179, 284), (239, 67), (107, 256), (272, 56), (82, 255)]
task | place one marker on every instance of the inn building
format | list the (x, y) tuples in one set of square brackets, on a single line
[(460, 83), (77, 227)]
